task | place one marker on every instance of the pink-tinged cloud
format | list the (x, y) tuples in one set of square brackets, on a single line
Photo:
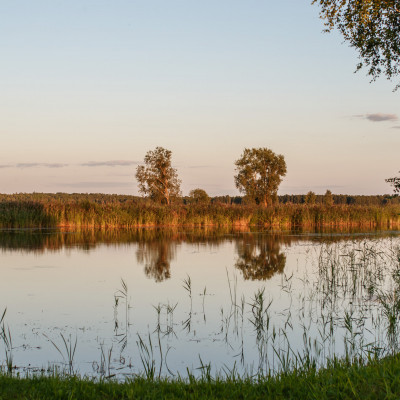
[(378, 117), (45, 165), (91, 185), (112, 163), (34, 165)]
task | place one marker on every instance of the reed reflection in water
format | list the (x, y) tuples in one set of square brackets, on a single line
[(260, 254), (245, 288)]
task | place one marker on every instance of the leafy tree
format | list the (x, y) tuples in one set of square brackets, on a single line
[(370, 26), (311, 198), (157, 179), (199, 196), (328, 198), (395, 182), (259, 174)]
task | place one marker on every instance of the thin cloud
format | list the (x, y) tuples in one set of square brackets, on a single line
[(200, 185), (396, 127), (45, 165), (201, 166), (378, 117), (91, 185), (111, 163)]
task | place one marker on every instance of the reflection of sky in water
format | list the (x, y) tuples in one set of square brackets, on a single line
[(70, 290)]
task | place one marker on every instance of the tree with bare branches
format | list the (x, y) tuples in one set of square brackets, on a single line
[(395, 182)]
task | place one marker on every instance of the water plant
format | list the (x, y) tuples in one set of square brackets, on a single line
[(187, 285), (5, 336), (70, 348), (147, 357), (123, 294), (105, 366)]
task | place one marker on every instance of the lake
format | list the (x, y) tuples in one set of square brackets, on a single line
[(168, 301)]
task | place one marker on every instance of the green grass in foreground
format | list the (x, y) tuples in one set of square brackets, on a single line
[(378, 379)]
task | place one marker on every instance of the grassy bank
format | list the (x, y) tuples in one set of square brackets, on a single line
[(22, 211), (377, 379)]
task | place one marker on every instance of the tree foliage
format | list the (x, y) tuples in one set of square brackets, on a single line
[(328, 198), (260, 172), (395, 182), (199, 196), (372, 27), (310, 198), (157, 179)]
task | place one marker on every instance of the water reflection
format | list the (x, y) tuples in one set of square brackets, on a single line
[(156, 257), (260, 256)]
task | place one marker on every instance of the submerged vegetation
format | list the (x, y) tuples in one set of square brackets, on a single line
[(46, 210)]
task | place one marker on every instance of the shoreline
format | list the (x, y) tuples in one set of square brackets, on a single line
[(374, 379)]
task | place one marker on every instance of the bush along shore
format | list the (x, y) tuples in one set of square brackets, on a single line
[(28, 211), (341, 379)]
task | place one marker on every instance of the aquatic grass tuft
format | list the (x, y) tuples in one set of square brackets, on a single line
[(105, 363), (147, 357), (5, 335), (70, 349)]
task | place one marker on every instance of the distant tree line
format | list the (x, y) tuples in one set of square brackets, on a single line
[(341, 199), (102, 199)]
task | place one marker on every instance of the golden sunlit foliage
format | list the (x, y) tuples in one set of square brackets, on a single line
[(81, 210), (199, 196), (259, 173), (157, 179)]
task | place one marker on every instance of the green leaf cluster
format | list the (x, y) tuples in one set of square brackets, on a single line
[(372, 27)]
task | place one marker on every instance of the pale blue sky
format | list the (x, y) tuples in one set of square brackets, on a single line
[(88, 87)]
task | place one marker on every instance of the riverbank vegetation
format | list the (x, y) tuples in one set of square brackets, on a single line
[(375, 379), (100, 210)]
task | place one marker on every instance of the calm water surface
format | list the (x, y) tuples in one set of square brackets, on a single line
[(234, 300)]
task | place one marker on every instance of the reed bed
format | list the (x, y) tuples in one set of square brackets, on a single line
[(23, 211)]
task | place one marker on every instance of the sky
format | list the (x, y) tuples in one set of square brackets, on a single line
[(88, 87)]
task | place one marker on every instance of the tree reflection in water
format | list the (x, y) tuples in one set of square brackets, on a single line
[(157, 257), (259, 253), (260, 256)]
